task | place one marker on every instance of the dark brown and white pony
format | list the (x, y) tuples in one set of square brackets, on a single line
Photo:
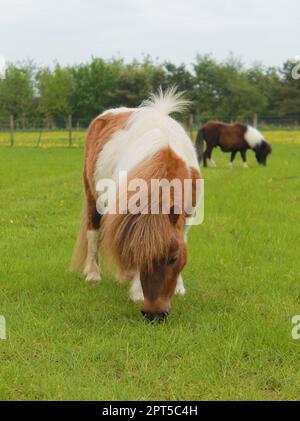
[(231, 138), (148, 249)]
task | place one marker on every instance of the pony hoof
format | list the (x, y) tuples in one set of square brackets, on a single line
[(93, 278), (230, 165), (245, 165)]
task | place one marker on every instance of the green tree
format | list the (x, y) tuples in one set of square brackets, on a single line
[(224, 90), (17, 94), (94, 86), (137, 80), (55, 90), (290, 92)]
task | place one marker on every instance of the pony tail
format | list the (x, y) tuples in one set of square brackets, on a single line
[(199, 144), (80, 248), (167, 102)]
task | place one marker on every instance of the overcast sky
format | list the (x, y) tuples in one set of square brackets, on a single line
[(71, 31)]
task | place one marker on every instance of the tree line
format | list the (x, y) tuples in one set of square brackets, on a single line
[(227, 89)]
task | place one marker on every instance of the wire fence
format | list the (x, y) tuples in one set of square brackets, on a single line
[(66, 131)]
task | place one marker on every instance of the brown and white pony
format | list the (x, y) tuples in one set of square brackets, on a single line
[(148, 249), (231, 138)]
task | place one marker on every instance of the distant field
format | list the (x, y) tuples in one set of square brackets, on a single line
[(59, 138), (283, 136), (55, 138), (228, 338)]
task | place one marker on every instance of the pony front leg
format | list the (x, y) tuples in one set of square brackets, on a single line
[(91, 269), (136, 290), (230, 163), (207, 156), (180, 289), (244, 158)]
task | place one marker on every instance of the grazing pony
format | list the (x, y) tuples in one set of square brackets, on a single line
[(231, 138), (149, 249)]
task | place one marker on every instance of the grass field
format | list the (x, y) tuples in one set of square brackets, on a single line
[(59, 138), (228, 338)]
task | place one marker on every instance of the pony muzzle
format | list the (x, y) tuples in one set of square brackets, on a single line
[(153, 311), (159, 316)]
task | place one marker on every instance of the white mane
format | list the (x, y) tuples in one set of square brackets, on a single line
[(253, 137)]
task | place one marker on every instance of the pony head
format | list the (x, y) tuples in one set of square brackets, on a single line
[(262, 150), (152, 245), (159, 279)]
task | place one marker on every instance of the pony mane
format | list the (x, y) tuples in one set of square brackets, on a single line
[(167, 102), (134, 240)]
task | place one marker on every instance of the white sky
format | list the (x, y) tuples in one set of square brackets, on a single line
[(71, 31)]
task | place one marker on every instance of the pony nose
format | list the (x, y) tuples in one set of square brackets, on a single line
[(160, 316)]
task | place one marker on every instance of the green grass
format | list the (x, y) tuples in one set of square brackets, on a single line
[(229, 338)]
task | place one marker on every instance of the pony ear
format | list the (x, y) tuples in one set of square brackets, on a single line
[(174, 215)]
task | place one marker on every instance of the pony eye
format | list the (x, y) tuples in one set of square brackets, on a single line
[(172, 260)]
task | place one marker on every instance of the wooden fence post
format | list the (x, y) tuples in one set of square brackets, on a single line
[(255, 120), (40, 137), (11, 128), (70, 129), (77, 132)]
